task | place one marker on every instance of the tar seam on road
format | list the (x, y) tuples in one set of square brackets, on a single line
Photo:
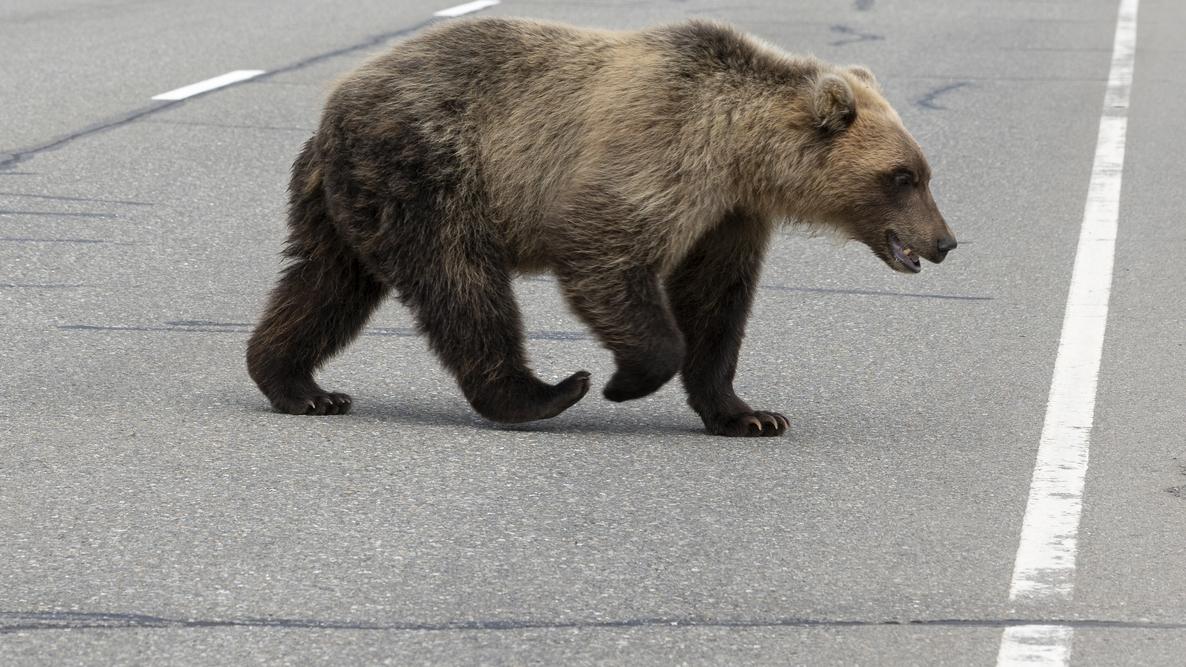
[(928, 101), (871, 292), (26, 239), (9, 160), (235, 126), (40, 285), (854, 36), (57, 214), (23, 154), (1044, 570), (13, 622)]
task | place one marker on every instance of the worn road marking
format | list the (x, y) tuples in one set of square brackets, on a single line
[(209, 84), (1036, 645), (466, 8), (1044, 570)]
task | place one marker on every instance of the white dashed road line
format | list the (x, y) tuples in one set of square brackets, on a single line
[(244, 74), (466, 8), (1044, 570), (209, 84)]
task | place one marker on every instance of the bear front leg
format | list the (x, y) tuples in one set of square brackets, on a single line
[(711, 292), (628, 312)]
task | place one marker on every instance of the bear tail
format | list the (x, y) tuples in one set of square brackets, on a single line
[(311, 232)]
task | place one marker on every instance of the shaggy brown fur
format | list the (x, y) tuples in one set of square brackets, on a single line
[(645, 169)]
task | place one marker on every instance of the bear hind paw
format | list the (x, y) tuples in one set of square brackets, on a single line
[(525, 399)]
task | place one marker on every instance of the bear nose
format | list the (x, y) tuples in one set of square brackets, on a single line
[(945, 245)]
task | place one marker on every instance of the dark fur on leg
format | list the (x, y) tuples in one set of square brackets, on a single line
[(475, 329), (711, 292), (628, 312), (322, 301)]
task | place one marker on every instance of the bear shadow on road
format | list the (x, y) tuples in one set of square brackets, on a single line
[(409, 411)]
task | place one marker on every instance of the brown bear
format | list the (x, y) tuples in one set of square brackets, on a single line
[(645, 169)]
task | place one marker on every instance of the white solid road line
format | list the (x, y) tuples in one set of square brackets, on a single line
[(466, 8), (209, 84), (1044, 570)]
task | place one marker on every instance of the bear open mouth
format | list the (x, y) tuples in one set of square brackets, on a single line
[(903, 253)]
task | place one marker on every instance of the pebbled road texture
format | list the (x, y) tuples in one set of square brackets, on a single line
[(153, 510)]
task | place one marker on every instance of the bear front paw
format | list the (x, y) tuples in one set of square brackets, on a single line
[(749, 424), (318, 402)]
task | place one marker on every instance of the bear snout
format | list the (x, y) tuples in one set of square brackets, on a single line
[(944, 245)]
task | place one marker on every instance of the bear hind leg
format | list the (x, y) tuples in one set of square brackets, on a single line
[(321, 302), (465, 305), (628, 312)]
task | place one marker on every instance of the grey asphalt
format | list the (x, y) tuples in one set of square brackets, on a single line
[(154, 511)]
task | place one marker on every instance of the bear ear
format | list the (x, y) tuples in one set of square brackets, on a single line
[(863, 74), (833, 104)]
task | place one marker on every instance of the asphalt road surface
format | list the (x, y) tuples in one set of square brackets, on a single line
[(153, 510)]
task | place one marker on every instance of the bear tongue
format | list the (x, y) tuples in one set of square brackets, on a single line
[(904, 254)]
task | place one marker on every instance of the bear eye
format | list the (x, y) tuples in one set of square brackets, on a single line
[(904, 178)]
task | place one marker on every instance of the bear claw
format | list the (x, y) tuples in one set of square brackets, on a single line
[(758, 423), (321, 403)]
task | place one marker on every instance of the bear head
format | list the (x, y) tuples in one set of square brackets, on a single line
[(869, 177)]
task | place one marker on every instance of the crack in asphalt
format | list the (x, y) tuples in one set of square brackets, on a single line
[(11, 622)]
